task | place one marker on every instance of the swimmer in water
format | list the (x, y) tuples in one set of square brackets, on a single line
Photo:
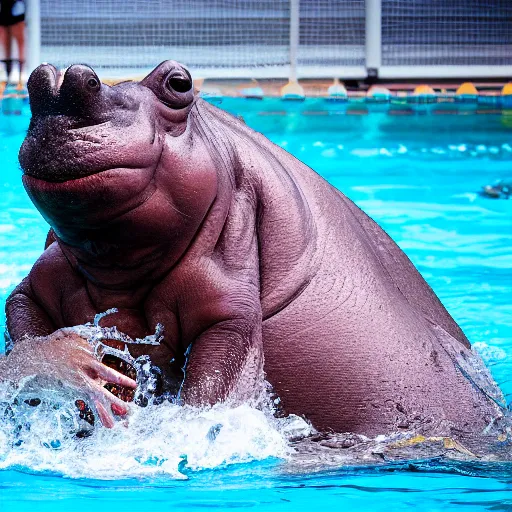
[(502, 189)]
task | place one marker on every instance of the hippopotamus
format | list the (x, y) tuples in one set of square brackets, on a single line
[(177, 213)]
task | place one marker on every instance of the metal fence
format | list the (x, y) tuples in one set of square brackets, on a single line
[(277, 38)]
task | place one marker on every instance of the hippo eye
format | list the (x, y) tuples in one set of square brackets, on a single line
[(172, 85), (179, 83), (93, 83)]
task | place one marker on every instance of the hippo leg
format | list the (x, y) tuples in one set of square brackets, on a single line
[(225, 362), (219, 311)]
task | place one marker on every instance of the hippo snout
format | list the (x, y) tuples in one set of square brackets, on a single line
[(73, 94), (81, 126)]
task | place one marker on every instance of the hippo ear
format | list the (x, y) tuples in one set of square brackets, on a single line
[(172, 84)]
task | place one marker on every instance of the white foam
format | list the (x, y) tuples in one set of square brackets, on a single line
[(159, 439), (489, 353)]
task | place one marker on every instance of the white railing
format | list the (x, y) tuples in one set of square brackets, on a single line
[(33, 27), (277, 38)]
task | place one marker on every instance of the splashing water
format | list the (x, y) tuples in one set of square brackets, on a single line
[(48, 428), (147, 374), (54, 430), (159, 439)]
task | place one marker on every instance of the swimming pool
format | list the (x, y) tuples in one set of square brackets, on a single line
[(417, 171)]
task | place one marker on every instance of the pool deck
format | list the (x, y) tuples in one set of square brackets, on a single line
[(318, 88), (313, 88)]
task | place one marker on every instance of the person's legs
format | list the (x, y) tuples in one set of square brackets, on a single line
[(18, 33), (5, 40)]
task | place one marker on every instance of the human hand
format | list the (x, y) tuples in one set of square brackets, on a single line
[(69, 359)]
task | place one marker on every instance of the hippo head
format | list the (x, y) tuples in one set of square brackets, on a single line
[(95, 155)]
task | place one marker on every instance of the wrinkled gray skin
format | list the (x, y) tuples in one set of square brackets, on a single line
[(176, 212)]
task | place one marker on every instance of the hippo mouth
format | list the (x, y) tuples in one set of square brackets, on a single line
[(59, 149)]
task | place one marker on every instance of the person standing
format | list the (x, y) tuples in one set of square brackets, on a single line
[(12, 26)]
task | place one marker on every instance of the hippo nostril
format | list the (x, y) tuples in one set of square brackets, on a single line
[(93, 83), (79, 91), (41, 87)]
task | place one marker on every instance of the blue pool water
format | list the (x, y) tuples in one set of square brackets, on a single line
[(418, 174)]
